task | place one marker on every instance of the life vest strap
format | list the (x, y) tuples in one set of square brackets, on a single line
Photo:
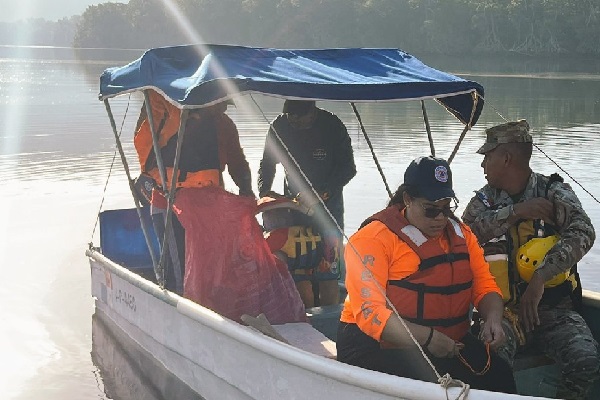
[(422, 288), (554, 295), (441, 322), (441, 259)]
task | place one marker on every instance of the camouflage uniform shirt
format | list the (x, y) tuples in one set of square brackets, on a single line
[(574, 226)]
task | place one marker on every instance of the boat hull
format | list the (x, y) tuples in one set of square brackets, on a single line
[(221, 359)]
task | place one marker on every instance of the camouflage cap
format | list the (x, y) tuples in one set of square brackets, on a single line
[(510, 132)]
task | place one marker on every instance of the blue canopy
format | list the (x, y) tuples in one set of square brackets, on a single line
[(198, 75)]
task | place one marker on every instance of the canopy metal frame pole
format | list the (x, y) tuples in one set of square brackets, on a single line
[(136, 198), (159, 162), (171, 193), (468, 126), (428, 128), (362, 128), (159, 269)]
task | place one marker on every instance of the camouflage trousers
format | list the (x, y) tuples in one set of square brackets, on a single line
[(564, 337)]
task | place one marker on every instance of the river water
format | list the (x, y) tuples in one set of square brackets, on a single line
[(56, 151)]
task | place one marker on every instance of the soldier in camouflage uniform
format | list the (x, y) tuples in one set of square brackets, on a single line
[(547, 316)]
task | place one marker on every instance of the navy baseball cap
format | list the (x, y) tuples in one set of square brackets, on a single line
[(431, 176), (298, 107)]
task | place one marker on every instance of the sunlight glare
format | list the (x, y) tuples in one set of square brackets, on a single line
[(192, 34), (18, 10)]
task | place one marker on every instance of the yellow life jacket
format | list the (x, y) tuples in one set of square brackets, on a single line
[(496, 254), (303, 247)]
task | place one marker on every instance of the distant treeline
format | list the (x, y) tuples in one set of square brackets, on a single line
[(39, 32), (433, 26)]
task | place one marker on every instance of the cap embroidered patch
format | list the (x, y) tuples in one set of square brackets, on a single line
[(432, 177), (441, 173)]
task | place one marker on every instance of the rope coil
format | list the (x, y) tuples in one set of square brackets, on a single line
[(486, 367)]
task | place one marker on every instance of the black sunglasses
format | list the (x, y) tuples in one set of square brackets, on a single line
[(433, 211)]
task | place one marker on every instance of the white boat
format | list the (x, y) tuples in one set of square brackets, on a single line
[(216, 358)]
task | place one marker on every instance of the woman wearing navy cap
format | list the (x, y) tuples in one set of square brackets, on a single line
[(417, 256)]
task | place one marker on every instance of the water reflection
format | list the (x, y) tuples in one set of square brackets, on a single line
[(127, 372)]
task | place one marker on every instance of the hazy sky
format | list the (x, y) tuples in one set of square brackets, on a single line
[(13, 10)]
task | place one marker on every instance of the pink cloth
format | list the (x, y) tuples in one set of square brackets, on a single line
[(228, 265)]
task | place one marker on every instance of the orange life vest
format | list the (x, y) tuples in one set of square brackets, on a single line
[(438, 294), (166, 118)]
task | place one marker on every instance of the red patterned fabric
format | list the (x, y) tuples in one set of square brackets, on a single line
[(229, 267)]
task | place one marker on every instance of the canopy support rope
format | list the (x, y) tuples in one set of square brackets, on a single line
[(136, 198), (566, 173), (427, 128), (549, 158), (446, 381), (112, 164), (362, 128), (306, 180)]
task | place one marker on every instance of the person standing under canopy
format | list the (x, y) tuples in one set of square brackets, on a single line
[(419, 256), (319, 143), (534, 231), (211, 143)]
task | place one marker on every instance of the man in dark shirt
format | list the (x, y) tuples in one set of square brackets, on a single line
[(316, 152)]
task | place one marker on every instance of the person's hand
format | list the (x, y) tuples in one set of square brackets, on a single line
[(536, 208), (442, 346), (528, 309), (272, 194), (492, 333), (307, 199)]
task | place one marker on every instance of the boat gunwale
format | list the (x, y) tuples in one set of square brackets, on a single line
[(591, 298)]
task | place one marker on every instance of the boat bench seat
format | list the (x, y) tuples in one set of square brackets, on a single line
[(304, 336), (325, 319)]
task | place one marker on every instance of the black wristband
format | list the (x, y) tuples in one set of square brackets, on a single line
[(428, 341)]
